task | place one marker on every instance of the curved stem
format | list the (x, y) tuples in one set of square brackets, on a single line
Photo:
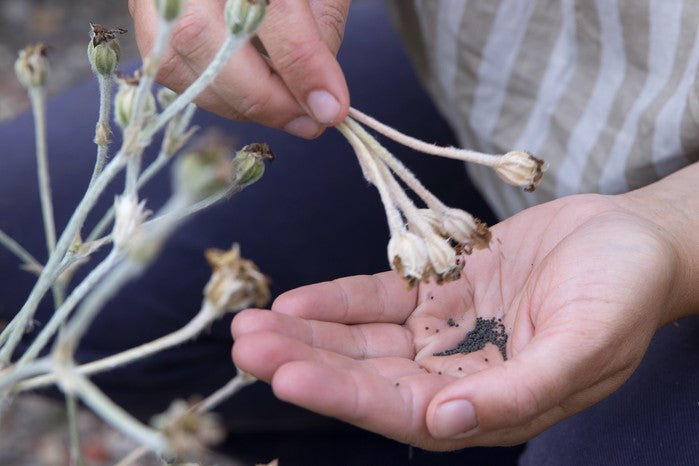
[(421, 146), (17, 249)]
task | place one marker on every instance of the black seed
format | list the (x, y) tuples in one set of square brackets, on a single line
[(451, 323), (439, 373), (486, 331), (460, 369)]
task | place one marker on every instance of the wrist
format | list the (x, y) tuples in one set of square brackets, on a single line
[(672, 206)]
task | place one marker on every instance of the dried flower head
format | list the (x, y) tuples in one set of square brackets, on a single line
[(103, 49), (521, 168), (235, 283), (407, 254), (31, 66), (125, 98), (249, 163), (244, 16), (187, 430), (129, 216)]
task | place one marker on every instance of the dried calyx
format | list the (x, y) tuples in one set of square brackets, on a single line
[(429, 242), (103, 49)]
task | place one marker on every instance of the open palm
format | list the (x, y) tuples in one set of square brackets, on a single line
[(578, 285)]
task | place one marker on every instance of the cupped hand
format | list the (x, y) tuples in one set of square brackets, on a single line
[(579, 285), (304, 91)]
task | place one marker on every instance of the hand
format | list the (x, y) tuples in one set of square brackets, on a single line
[(305, 92), (581, 285)]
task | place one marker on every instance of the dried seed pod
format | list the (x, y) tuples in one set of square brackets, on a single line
[(521, 168)]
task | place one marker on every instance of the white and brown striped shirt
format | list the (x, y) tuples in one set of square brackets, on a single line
[(604, 90)]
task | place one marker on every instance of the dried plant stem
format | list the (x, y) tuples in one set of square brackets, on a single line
[(398, 168), (37, 95), (421, 146), (372, 173), (103, 126), (229, 46), (17, 249), (238, 382), (49, 273)]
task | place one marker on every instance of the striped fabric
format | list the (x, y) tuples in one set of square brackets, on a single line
[(604, 90)]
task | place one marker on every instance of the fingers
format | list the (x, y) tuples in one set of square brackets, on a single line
[(302, 43), (382, 297), (512, 402), (393, 408), (355, 341), (306, 90), (263, 353)]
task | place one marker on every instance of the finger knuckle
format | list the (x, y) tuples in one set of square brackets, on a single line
[(333, 18), (189, 37), (299, 56)]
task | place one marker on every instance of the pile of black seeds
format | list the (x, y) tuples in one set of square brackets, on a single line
[(486, 331)]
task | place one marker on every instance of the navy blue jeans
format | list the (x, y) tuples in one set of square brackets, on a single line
[(312, 217)]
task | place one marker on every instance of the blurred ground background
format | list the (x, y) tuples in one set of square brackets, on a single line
[(33, 431), (65, 26)]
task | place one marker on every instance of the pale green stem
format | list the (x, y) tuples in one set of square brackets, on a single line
[(94, 277), (17, 249), (154, 235), (229, 46), (398, 168), (106, 220), (48, 274), (37, 96), (105, 86), (76, 454), (11, 375), (109, 411), (194, 327), (421, 146)]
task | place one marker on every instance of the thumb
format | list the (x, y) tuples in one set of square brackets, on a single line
[(516, 400), (304, 56)]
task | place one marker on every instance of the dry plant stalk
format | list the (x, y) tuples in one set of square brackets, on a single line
[(425, 243)]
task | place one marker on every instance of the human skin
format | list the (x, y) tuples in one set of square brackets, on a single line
[(303, 93), (581, 284)]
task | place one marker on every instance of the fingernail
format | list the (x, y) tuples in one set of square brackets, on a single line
[(303, 126), (323, 106), (454, 418)]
